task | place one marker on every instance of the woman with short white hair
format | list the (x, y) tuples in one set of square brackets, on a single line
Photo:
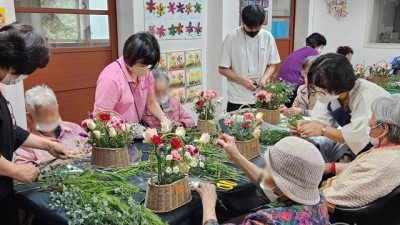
[(375, 173)]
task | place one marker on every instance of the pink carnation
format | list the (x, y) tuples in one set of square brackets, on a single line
[(175, 155), (248, 117), (228, 122)]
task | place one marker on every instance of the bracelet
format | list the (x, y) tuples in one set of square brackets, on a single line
[(333, 168)]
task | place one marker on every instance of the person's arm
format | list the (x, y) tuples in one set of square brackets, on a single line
[(54, 148), (233, 76), (153, 107), (339, 167), (251, 170), (269, 71), (24, 155), (25, 173)]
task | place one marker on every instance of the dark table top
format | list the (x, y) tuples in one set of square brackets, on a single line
[(236, 202)]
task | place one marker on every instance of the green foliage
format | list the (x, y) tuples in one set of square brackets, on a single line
[(271, 137), (394, 83), (215, 170), (274, 95), (205, 104), (293, 120)]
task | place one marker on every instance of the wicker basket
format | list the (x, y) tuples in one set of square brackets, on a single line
[(206, 126), (165, 198), (110, 157), (379, 79), (271, 116), (249, 149)]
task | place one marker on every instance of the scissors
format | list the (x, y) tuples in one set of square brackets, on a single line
[(44, 164), (226, 185)]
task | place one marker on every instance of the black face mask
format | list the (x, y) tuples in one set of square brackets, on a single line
[(252, 34)]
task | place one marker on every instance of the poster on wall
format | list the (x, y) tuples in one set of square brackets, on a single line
[(179, 93), (264, 3), (192, 92), (175, 60), (169, 20), (2, 17), (193, 76), (177, 78)]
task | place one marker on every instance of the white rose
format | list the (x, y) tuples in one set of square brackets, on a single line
[(90, 124), (187, 155), (128, 127), (176, 169), (193, 163), (165, 127), (148, 134), (112, 132), (205, 138), (168, 170), (168, 158), (97, 134), (180, 132), (201, 164), (259, 116), (256, 133)]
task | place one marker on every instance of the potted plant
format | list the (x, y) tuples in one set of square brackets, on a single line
[(246, 133), (380, 72), (109, 135), (171, 159), (270, 98), (205, 104)]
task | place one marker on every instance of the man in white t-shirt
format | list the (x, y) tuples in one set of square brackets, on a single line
[(248, 58)]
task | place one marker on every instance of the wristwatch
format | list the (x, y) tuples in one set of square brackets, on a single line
[(323, 130)]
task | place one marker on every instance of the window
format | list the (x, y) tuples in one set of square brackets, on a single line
[(68, 23), (281, 19), (384, 28)]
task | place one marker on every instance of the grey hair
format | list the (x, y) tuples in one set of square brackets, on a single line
[(160, 75), (387, 110), (309, 61), (39, 96)]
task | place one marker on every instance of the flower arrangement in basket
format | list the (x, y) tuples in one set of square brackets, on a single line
[(109, 135), (205, 104), (360, 70), (171, 159), (270, 98), (246, 133), (379, 73)]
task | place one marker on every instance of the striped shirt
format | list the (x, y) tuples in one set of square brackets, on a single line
[(67, 134)]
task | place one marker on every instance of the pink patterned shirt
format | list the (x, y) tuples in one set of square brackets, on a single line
[(174, 112), (68, 135), (118, 92)]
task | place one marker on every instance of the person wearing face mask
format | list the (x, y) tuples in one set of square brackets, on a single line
[(22, 51), (170, 105), (288, 185), (248, 58), (342, 101), (291, 71), (45, 121), (126, 86), (375, 173)]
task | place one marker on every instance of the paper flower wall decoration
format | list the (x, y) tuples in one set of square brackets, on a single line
[(199, 29), (160, 10), (197, 8), (161, 31), (189, 8), (152, 30), (179, 29), (190, 28), (172, 30), (180, 7), (338, 8), (151, 6), (171, 7)]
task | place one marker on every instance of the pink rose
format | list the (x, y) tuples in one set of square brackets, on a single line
[(248, 117), (228, 122), (176, 156)]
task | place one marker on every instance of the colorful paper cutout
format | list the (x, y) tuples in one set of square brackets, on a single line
[(338, 8), (197, 8), (161, 31), (2, 17), (151, 6), (181, 7), (192, 92), (162, 65), (193, 58), (171, 7), (160, 10), (177, 78), (176, 60), (179, 93), (193, 76)]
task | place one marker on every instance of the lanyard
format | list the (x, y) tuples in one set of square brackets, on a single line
[(130, 87), (258, 55)]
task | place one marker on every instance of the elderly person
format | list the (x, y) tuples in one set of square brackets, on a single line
[(346, 51), (375, 173), (342, 100), (290, 182), (170, 105), (22, 51), (306, 96), (45, 121)]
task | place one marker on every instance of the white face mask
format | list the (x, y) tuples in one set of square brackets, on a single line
[(163, 100), (269, 192), (48, 127), (372, 140), (326, 98), (11, 79)]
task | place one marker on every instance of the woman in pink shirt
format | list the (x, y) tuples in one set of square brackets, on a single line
[(126, 86)]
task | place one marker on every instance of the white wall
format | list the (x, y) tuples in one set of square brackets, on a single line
[(14, 93), (350, 30)]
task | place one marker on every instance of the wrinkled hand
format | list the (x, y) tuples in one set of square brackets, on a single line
[(58, 150), (248, 84), (177, 124), (207, 193), (294, 129), (283, 109), (228, 144), (310, 129), (26, 173), (166, 124)]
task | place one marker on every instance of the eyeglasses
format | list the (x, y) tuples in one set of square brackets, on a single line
[(14, 121)]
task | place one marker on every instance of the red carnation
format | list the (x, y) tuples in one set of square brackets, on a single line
[(157, 141), (245, 125), (84, 124), (105, 117), (261, 97), (199, 103), (176, 143)]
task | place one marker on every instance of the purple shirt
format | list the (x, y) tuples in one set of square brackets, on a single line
[(290, 71)]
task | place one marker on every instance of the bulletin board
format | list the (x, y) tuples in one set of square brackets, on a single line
[(2, 17), (174, 20), (184, 72)]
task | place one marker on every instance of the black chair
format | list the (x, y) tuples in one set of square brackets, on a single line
[(385, 210)]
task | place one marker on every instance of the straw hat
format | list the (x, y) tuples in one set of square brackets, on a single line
[(296, 166)]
